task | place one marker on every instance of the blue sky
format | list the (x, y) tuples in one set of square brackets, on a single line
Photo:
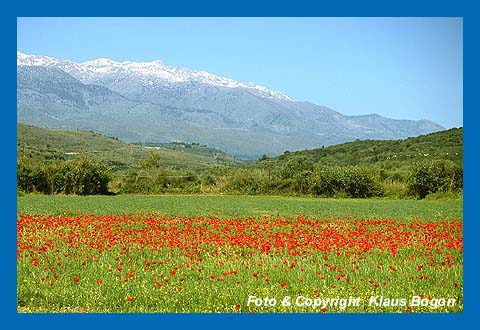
[(404, 68)]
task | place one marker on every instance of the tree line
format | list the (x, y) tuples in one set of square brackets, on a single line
[(297, 176), (83, 176)]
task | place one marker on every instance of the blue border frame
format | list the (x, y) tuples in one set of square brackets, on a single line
[(375, 8)]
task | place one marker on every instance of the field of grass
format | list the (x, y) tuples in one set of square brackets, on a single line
[(236, 253), (241, 206)]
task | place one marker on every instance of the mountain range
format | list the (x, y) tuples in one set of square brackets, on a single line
[(154, 102)]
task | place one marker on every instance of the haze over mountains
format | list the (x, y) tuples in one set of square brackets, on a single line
[(154, 102)]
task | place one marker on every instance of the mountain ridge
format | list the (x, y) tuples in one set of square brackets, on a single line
[(243, 119), (152, 69)]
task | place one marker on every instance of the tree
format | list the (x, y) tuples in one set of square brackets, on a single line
[(83, 176), (151, 161), (297, 172), (89, 177), (436, 176)]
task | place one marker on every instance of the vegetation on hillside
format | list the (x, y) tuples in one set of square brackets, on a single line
[(414, 167), (388, 154), (43, 145)]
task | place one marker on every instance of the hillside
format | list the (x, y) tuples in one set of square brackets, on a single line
[(41, 144), (383, 168), (191, 148), (387, 154)]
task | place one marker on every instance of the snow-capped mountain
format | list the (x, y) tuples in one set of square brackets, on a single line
[(148, 73), (151, 101)]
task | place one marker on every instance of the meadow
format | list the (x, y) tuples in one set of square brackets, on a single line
[(213, 253), (239, 206)]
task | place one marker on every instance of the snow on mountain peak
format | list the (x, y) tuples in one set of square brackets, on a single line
[(146, 72), (101, 62), (32, 60)]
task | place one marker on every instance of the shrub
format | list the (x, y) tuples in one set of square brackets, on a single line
[(437, 176), (88, 177), (31, 177), (82, 177), (346, 181)]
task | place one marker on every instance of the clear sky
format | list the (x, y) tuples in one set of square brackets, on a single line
[(403, 68)]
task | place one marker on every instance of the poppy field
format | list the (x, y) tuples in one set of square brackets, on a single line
[(235, 254)]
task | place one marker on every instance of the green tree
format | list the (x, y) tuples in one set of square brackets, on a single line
[(31, 177), (90, 177), (435, 176), (151, 161)]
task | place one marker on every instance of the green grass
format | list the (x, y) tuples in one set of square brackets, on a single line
[(240, 206)]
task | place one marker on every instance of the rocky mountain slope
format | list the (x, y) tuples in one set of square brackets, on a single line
[(154, 102)]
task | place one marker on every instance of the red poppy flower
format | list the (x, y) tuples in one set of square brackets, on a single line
[(76, 279)]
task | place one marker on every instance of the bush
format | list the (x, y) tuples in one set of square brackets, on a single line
[(360, 183), (437, 176), (31, 177), (326, 182), (158, 181), (243, 181), (87, 177), (82, 177), (298, 172), (345, 181)]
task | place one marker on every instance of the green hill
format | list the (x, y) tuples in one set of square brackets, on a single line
[(355, 169), (387, 154), (190, 148), (40, 144)]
